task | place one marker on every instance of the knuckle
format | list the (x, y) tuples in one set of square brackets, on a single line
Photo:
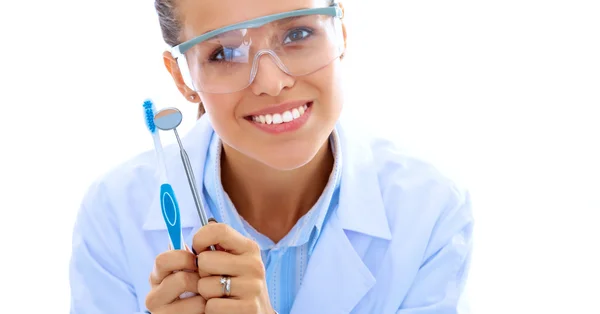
[(258, 268), (252, 306), (253, 245), (162, 261), (255, 287), (198, 305), (221, 229), (149, 303), (210, 307), (181, 279)]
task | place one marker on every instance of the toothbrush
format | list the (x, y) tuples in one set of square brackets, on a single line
[(168, 201)]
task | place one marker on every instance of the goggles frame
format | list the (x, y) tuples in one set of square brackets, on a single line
[(333, 10)]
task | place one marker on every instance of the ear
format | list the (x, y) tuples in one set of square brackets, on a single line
[(173, 68), (344, 27)]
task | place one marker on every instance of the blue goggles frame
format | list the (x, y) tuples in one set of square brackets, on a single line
[(333, 10)]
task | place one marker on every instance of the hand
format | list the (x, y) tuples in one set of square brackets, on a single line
[(240, 259), (174, 273)]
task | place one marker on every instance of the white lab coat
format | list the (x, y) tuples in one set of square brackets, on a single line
[(399, 242)]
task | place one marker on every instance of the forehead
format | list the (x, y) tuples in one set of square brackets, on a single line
[(201, 16)]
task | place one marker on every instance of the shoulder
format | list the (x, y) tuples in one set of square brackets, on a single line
[(400, 169), (127, 183), (413, 185), (418, 197), (128, 190)]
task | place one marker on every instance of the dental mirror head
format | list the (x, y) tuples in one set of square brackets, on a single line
[(168, 119)]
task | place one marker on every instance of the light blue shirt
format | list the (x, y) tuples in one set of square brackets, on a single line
[(285, 261), (399, 240)]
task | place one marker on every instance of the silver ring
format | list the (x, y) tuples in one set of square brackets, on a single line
[(226, 285)]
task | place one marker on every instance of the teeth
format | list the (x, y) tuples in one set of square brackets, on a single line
[(287, 116), (296, 113), (283, 117)]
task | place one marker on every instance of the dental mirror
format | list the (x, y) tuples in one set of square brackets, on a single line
[(168, 119)]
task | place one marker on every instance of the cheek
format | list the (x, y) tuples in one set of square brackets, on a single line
[(330, 84), (221, 110)]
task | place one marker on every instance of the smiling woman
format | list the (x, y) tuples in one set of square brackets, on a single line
[(309, 215)]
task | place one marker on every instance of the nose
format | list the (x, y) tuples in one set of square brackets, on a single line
[(269, 75)]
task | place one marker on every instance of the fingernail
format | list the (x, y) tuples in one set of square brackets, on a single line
[(212, 220)]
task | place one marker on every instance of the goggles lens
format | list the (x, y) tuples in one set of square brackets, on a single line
[(298, 45)]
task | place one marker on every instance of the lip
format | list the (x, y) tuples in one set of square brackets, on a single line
[(279, 108)]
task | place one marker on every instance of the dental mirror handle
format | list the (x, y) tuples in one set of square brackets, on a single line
[(192, 182)]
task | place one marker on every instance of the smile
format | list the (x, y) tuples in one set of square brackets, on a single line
[(288, 120), (283, 117)]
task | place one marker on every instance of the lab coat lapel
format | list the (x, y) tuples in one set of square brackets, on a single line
[(336, 278)]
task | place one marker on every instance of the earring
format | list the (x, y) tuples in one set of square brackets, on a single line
[(192, 97)]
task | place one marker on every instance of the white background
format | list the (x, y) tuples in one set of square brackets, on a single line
[(502, 95)]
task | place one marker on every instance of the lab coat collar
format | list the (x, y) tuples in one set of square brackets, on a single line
[(360, 209)]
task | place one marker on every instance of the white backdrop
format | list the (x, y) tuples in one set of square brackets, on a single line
[(502, 95)]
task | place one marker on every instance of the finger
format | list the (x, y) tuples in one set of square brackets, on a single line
[(224, 263), (217, 247), (193, 305), (211, 287), (226, 306), (225, 236), (168, 262), (171, 288)]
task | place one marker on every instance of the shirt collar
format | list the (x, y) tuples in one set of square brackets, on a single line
[(308, 227)]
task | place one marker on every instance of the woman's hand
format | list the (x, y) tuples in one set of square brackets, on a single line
[(167, 286), (239, 260)]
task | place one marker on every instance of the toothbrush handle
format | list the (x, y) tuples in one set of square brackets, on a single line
[(170, 211)]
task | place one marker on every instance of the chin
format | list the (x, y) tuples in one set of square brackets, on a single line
[(285, 159)]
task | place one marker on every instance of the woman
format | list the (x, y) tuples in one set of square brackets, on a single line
[(309, 216)]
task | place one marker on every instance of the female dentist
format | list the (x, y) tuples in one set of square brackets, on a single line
[(310, 216)]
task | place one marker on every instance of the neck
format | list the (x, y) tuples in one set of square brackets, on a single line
[(272, 200)]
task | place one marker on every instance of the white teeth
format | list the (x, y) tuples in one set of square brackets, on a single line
[(287, 116), (295, 113), (279, 118)]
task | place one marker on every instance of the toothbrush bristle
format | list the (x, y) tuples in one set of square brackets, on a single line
[(149, 115)]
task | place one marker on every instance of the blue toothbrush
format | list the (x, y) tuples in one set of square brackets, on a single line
[(168, 202)]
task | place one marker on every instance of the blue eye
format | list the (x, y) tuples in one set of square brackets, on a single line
[(225, 54), (297, 35)]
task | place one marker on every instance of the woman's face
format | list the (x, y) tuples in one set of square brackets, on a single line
[(236, 116)]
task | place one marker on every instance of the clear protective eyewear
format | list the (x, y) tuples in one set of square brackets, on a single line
[(225, 60)]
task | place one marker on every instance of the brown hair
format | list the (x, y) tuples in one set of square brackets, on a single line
[(171, 28)]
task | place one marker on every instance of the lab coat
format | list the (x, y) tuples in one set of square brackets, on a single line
[(398, 242)]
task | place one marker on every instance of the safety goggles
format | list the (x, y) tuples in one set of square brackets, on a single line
[(225, 60)]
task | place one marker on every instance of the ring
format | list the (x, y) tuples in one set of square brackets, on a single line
[(226, 284)]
